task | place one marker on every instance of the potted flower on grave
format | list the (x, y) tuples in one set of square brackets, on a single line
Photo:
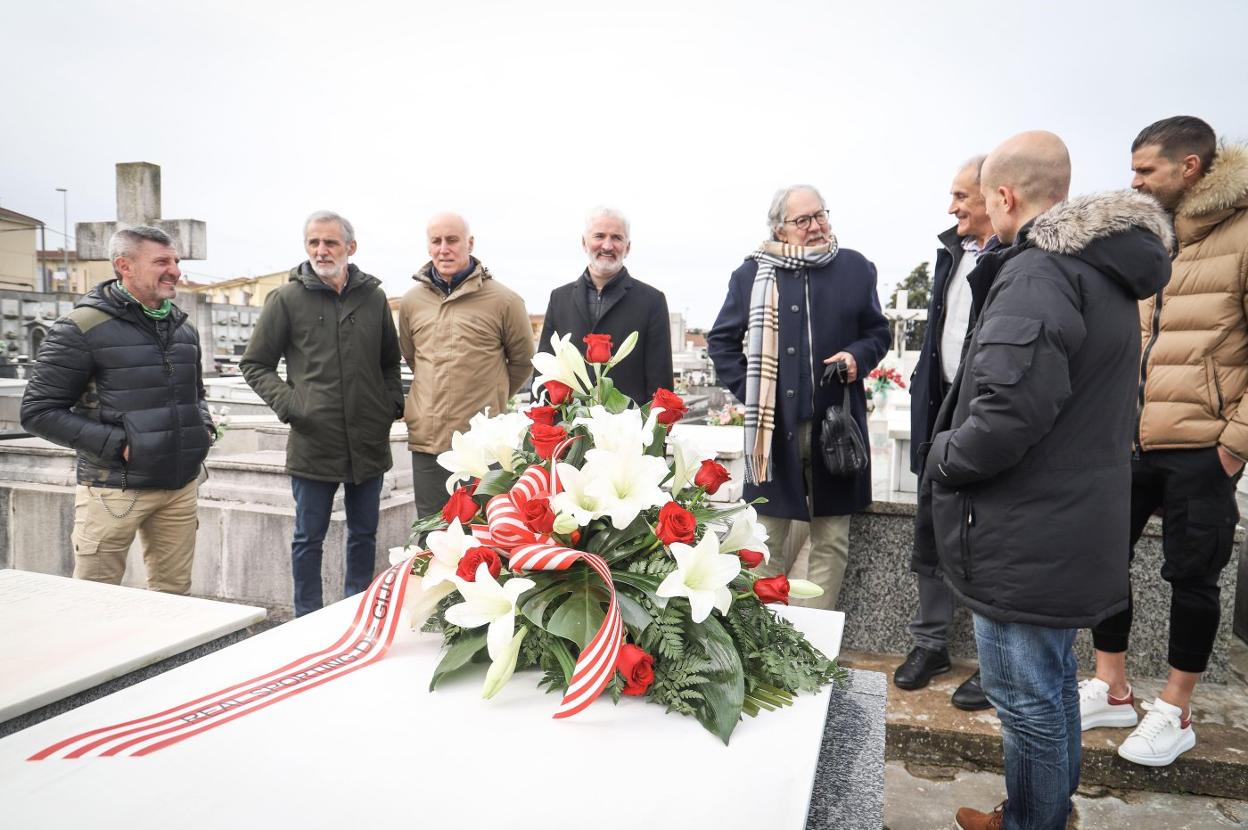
[(880, 381)]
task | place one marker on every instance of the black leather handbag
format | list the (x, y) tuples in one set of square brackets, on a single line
[(840, 441)]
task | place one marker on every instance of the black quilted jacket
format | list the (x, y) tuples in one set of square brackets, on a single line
[(108, 377)]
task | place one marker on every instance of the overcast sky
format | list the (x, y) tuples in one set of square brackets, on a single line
[(685, 115)]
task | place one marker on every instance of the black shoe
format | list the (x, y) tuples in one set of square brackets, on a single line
[(970, 697), (922, 664)]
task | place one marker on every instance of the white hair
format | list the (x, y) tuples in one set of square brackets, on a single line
[(779, 202), (348, 232), (601, 212)]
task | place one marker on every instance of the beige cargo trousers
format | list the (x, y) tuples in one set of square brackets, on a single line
[(106, 521)]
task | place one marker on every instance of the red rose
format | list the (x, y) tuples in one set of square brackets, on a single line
[(542, 415), (460, 505), (710, 476), (750, 558), (558, 392), (773, 589), (538, 516), (637, 668), (676, 524), (545, 439), (673, 406), (475, 557), (598, 348)]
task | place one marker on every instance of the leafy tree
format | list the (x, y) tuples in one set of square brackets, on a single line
[(918, 288)]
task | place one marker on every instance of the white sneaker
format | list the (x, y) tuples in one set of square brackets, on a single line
[(1097, 708), (1161, 737)]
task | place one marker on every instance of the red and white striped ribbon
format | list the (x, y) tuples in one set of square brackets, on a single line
[(366, 641), (529, 551)]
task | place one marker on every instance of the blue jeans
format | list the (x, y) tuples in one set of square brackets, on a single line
[(314, 500), (1028, 673)]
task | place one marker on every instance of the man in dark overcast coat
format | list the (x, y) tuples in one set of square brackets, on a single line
[(606, 299)]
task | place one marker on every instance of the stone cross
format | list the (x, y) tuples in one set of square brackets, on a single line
[(138, 203), (902, 317)]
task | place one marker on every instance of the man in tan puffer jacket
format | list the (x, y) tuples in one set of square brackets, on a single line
[(1192, 436)]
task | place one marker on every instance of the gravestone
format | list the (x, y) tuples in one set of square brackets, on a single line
[(61, 639), (138, 203), (314, 757)]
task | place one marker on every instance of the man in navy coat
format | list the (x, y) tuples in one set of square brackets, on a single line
[(948, 319), (808, 303)]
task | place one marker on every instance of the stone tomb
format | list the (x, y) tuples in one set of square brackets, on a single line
[(60, 637), (376, 748), (246, 516)]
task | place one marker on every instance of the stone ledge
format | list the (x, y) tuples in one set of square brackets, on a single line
[(923, 727)]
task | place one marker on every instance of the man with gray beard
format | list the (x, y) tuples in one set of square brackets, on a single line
[(332, 324)]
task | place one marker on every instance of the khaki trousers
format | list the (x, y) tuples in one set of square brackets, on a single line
[(106, 520), (829, 542)]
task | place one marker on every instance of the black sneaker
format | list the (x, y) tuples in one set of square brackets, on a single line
[(970, 697), (922, 664)]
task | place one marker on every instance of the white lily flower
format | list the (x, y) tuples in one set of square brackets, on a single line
[(500, 437), (622, 432), (565, 364), (488, 603), (702, 574), (448, 547), (804, 589), (625, 483), (689, 450), (466, 459), (399, 554), (624, 350), (504, 667), (574, 501), (421, 599), (746, 533)]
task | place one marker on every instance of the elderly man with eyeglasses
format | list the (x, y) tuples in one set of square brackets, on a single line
[(797, 304)]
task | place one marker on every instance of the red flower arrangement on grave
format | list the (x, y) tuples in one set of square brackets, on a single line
[(595, 559)]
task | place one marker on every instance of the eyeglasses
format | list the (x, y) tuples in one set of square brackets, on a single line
[(803, 222)]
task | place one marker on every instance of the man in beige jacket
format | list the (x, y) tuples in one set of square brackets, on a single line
[(469, 344), (1192, 435)]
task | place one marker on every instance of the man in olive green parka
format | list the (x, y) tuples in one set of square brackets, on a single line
[(332, 324)]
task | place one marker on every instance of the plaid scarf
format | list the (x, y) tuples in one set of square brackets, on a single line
[(762, 347)]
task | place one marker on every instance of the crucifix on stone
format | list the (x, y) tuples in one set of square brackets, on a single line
[(902, 317), (138, 203)]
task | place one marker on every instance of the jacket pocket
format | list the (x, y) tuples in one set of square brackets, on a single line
[(1004, 349), (153, 442), (1213, 387), (968, 522), (949, 513)]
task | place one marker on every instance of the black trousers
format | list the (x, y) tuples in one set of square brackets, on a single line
[(1197, 500)]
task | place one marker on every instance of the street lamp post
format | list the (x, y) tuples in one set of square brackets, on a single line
[(65, 248)]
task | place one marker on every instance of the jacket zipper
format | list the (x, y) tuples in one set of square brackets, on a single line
[(1154, 332), (969, 522), (336, 299)]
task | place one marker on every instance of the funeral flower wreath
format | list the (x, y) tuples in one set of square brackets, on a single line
[(571, 545)]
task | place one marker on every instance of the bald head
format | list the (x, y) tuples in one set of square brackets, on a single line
[(450, 244), (1024, 177)]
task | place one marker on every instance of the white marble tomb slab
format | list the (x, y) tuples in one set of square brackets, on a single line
[(59, 636), (375, 748)]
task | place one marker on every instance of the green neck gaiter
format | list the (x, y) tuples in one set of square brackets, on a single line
[(155, 313)]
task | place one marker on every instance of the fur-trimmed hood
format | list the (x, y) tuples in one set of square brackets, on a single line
[(1069, 227), (1225, 186), (1125, 235)]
